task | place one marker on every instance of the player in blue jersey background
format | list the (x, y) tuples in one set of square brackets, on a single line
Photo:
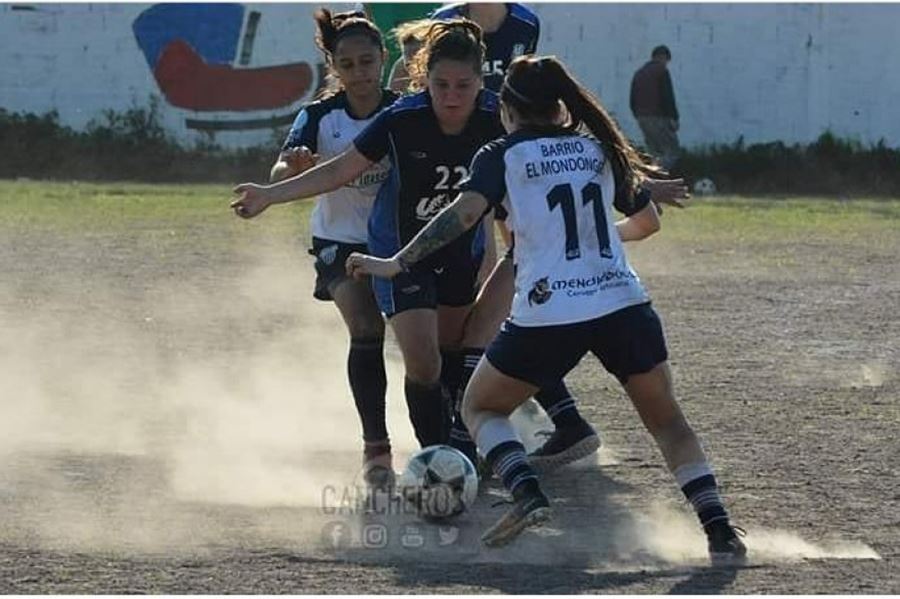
[(510, 30)]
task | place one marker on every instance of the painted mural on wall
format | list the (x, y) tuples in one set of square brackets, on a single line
[(239, 71), (197, 54)]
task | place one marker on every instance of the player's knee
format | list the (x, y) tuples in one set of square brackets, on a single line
[(423, 368), (366, 327)]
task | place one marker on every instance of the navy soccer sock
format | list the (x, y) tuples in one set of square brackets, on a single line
[(427, 412), (459, 434), (510, 463), (699, 485), (451, 370), (560, 406), (368, 381)]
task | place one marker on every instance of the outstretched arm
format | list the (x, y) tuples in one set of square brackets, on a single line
[(451, 222), (340, 170), (671, 192), (640, 225)]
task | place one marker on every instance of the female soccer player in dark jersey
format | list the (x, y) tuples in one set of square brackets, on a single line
[(575, 290), (510, 30), (430, 139), (354, 51)]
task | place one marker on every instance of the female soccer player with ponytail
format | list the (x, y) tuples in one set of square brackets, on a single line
[(575, 290)]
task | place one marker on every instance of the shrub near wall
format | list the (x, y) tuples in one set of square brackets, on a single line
[(127, 146), (134, 146), (829, 167)]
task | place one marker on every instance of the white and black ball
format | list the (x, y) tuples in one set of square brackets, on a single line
[(439, 481)]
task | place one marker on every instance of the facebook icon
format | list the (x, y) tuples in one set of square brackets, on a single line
[(337, 535)]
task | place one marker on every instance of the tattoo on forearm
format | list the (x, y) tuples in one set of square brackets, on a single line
[(445, 227)]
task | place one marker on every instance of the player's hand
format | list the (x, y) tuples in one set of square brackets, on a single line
[(361, 265), (671, 192), (299, 159), (252, 200)]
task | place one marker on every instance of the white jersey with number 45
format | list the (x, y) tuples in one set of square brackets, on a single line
[(558, 190)]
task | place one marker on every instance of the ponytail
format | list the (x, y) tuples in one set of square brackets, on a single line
[(331, 28), (536, 86)]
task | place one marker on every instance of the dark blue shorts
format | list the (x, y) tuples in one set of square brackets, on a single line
[(629, 341), (455, 284), (331, 258)]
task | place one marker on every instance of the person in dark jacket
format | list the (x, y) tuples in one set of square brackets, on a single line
[(653, 105)]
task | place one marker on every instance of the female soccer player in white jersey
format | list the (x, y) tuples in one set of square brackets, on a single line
[(575, 290), (430, 139), (354, 51), (509, 30)]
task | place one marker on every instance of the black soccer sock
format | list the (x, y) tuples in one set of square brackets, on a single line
[(560, 406), (698, 484), (451, 370), (427, 412), (368, 381), (459, 434), (510, 463), (470, 358)]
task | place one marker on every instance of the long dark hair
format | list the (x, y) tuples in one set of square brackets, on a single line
[(331, 28), (455, 39), (535, 86)]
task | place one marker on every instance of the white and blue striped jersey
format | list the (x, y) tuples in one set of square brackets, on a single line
[(326, 127), (518, 35), (559, 192)]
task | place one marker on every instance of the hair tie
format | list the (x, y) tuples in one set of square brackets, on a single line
[(519, 96)]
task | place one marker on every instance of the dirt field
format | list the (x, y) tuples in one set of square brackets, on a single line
[(175, 417)]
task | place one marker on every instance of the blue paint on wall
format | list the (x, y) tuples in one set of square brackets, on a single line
[(213, 30)]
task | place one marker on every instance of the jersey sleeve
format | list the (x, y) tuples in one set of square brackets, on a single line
[(625, 203), (487, 175), (304, 132), (373, 142)]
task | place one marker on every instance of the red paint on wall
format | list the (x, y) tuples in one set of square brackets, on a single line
[(189, 82)]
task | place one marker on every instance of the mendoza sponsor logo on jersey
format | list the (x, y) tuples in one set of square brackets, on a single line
[(544, 288)]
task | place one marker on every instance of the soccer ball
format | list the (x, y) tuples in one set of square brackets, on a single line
[(704, 187), (439, 481)]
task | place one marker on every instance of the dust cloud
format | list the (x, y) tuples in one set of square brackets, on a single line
[(190, 412), (210, 409), (674, 537)]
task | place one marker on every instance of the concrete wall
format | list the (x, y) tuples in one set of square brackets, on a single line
[(761, 71)]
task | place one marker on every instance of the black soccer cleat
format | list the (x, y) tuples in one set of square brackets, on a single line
[(565, 445), (531, 510), (725, 545)]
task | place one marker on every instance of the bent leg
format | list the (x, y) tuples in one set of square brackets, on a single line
[(489, 399), (416, 332)]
